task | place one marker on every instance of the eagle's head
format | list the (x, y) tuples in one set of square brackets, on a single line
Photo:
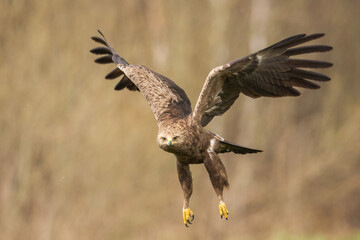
[(171, 138), (170, 141)]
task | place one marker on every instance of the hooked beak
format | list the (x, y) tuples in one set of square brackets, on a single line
[(169, 142)]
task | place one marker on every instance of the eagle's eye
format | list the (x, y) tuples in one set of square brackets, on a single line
[(163, 139), (175, 138)]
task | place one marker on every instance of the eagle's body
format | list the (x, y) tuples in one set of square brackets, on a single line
[(270, 73)]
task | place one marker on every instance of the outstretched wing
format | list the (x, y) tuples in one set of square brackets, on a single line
[(267, 73), (166, 99)]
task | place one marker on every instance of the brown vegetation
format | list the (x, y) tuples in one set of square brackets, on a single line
[(80, 161)]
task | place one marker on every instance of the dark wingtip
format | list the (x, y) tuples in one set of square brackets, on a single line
[(300, 35), (119, 86), (317, 35), (114, 74), (101, 33), (104, 60), (101, 50), (99, 40), (95, 38)]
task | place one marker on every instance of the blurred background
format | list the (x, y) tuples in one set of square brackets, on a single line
[(79, 160)]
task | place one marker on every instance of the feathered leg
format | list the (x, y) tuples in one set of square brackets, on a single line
[(218, 177), (185, 179)]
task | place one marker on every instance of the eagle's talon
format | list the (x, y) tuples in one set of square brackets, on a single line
[(192, 217), (223, 210), (188, 216)]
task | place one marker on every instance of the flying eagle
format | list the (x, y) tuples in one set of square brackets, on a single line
[(270, 72)]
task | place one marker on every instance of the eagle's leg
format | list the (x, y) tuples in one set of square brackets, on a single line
[(218, 177), (185, 179)]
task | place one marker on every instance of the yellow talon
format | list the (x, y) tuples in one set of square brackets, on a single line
[(188, 216), (223, 210)]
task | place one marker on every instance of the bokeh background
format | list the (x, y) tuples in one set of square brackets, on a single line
[(80, 161)]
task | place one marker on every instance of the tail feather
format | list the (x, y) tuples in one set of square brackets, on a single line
[(225, 146)]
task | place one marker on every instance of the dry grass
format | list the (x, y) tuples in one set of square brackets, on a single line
[(80, 161)]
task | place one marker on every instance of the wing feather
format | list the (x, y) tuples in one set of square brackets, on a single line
[(307, 49), (114, 74), (101, 50), (166, 99), (99, 40), (305, 63), (104, 59), (267, 73)]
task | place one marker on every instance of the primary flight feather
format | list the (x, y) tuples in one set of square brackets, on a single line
[(270, 72)]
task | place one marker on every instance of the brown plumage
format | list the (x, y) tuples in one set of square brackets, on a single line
[(269, 73)]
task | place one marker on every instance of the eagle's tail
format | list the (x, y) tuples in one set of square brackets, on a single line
[(225, 146)]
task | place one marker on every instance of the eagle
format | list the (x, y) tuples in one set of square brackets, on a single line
[(270, 72)]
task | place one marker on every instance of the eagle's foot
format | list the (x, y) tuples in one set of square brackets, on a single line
[(188, 216), (223, 210)]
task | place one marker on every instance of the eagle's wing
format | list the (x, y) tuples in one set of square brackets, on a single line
[(269, 73), (166, 99)]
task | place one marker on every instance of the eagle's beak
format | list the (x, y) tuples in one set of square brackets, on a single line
[(169, 142)]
